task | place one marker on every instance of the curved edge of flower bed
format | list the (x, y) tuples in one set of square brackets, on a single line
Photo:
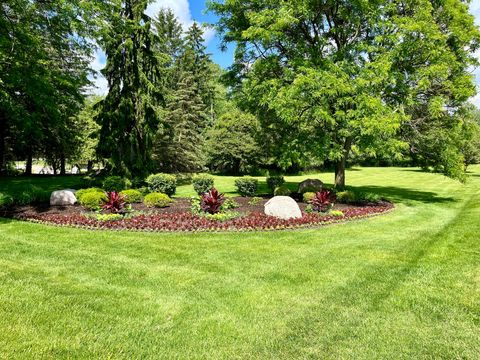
[(188, 223)]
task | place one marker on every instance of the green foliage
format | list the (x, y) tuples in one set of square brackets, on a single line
[(221, 216), (336, 213), (345, 77), (92, 200), (309, 209), (231, 144), (132, 196), (346, 197), (275, 181), (189, 97), (163, 183), (282, 191), (308, 196), (116, 183), (79, 193), (6, 200), (156, 199), (469, 138), (246, 186), (255, 201), (229, 204), (352, 197), (202, 183), (129, 116), (195, 206), (109, 217), (30, 194), (44, 68)]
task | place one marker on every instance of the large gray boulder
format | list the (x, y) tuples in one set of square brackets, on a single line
[(63, 197), (310, 185), (283, 207)]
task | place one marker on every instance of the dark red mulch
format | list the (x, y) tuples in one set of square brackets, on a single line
[(178, 218)]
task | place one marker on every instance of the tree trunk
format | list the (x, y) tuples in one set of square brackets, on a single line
[(341, 164), (29, 164), (62, 165), (89, 166)]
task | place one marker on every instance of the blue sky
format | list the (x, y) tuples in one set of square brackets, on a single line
[(194, 10)]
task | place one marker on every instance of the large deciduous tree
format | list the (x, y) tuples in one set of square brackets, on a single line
[(44, 57), (337, 76)]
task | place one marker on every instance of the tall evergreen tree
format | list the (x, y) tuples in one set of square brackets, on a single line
[(129, 114), (197, 62), (169, 47), (179, 144)]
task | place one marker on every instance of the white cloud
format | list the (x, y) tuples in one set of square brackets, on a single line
[(181, 8)]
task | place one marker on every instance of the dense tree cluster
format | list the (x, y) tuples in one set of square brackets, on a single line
[(313, 83), (336, 77)]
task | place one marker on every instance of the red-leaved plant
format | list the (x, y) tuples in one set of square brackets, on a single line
[(212, 201), (115, 202), (323, 200)]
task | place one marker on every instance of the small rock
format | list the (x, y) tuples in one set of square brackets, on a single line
[(283, 207), (310, 185), (63, 197)]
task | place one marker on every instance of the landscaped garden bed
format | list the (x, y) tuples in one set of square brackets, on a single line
[(177, 217)]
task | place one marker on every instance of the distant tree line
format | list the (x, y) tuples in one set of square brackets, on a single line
[(313, 84)]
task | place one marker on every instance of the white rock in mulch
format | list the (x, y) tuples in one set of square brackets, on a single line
[(283, 207), (63, 197)]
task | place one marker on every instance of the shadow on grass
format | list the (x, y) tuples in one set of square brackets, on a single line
[(405, 195)]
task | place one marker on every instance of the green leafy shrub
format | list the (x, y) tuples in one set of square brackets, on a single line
[(132, 196), (282, 191), (352, 197), (162, 183), (202, 183), (309, 209), (144, 190), (92, 200), (246, 186), (229, 204), (346, 197), (275, 181), (82, 192), (116, 183), (368, 197), (308, 197), (157, 199), (337, 213), (255, 201), (31, 194), (196, 207), (222, 216), (6, 200)]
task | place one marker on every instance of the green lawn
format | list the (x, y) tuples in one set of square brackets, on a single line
[(400, 286)]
